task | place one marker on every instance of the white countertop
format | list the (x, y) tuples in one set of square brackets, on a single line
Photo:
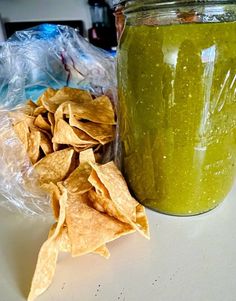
[(187, 259)]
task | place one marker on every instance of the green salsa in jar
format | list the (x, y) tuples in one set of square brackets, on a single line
[(177, 104)]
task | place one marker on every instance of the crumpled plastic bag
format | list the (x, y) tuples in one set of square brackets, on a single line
[(30, 61)]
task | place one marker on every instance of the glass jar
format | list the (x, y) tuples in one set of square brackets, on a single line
[(177, 103)]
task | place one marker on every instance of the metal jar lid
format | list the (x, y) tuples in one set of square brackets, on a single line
[(170, 3)]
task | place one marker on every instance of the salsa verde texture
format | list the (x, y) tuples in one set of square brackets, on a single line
[(177, 93)]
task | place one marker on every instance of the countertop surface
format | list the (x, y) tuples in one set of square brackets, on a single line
[(187, 259)]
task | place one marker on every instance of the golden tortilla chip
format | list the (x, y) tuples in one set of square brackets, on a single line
[(45, 144), (103, 204), (29, 120), (42, 123), (82, 148), (64, 241), (55, 166), (122, 205), (56, 147), (22, 131), (87, 156), (100, 110), (55, 194), (39, 110), (47, 258), (51, 121), (45, 97), (103, 133), (51, 99), (115, 186), (30, 107), (71, 94), (19, 116), (78, 183), (65, 134), (34, 146), (88, 229), (103, 251), (65, 244)]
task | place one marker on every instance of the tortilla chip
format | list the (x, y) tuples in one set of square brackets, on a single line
[(39, 110), (71, 94), (42, 123), (22, 131), (115, 187), (65, 134), (55, 166), (45, 144), (88, 229), (100, 110), (64, 241), (78, 183), (47, 258), (30, 107), (55, 194), (19, 116), (103, 133), (65, 244), (34, 146), (82, 148), (45, 97), (51, 99), (110, 185), (51, 121), (87, 156), (56, 147), (104, 204), (102, 251)]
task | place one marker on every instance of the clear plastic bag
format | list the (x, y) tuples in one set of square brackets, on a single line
[(30, 61)]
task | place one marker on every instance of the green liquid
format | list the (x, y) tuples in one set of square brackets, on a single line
[(177, 93)]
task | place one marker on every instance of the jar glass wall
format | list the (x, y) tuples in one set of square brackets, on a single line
[(177, 103)]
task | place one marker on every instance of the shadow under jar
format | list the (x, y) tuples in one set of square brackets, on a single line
[(177, 103)]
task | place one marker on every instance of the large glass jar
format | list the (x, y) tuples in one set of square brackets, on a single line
[(177, 96)]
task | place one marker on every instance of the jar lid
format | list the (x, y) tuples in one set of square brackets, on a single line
[(170, 3)]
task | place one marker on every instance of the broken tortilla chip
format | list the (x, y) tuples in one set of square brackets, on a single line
[(22, 131)]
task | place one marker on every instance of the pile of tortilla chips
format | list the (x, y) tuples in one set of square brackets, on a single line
[(64, 118), (91, 202)]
